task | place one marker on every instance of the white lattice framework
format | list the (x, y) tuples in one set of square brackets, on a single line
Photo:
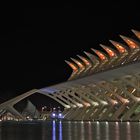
[(102, 86)]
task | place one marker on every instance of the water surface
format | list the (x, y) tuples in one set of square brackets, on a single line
[(69, 130)]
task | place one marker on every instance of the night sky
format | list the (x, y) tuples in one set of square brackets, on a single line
[(34, 42)]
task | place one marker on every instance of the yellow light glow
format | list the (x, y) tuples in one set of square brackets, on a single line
[(109, 51), (101, 55), (84, 60), (75, 69), (78, 63), (118, 46), (129, 42)]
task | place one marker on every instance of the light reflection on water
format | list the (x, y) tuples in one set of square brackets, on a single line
[(54, 131), (128, 128), (82, 131), (60, 130), (117, 131), (69, 130), (98, 135), (89, 131), (107, 130)]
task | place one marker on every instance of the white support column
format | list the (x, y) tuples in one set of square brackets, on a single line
[(79, 114), (74, 112), (69, 112), (17, 99), (120, 110), (58, 95), (89, 111), (82, 92), (8, 105), (66, 94), (96, 113), (128, 114), (122, 101), (108, 108), (122, 85), (53, 97)]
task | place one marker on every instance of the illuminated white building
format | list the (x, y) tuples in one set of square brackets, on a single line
[(103, 85)]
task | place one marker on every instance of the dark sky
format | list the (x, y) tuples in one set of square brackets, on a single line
[(34, 42)]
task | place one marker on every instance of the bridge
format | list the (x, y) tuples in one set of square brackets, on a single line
[(104, 85)]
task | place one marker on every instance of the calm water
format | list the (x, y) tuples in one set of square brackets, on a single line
[(67, 130)]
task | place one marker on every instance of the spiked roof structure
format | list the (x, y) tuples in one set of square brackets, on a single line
[(118, 55), (103, 85)]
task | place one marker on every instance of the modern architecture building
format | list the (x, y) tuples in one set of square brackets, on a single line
[(104, 85)]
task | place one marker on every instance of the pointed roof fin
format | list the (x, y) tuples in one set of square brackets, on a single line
[(100, 54), (130, 42), (110, 52)]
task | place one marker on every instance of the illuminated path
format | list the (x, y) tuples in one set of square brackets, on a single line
[(102, 86)]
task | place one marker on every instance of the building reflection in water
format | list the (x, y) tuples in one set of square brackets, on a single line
[(75, 129), (128, 129), (60, 130), (117, 131), (92, 130), (98, 135), (139, 126), (54, 130), (106, 131), (69, 131), (89, 130), (82, 131)]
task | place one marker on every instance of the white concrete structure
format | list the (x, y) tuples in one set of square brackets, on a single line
[(106, 87)]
